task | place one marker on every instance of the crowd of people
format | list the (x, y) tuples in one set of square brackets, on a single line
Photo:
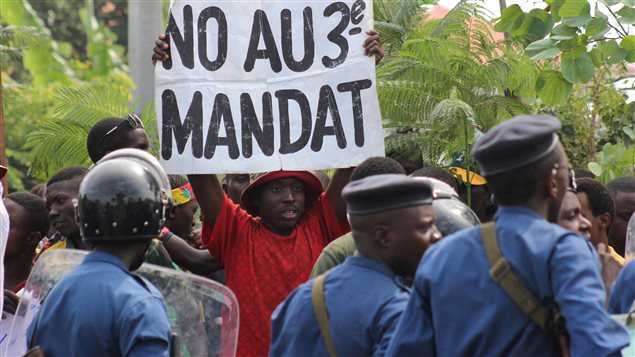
[(517, 257)]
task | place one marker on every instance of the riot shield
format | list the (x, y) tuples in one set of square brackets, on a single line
[(203, 313)]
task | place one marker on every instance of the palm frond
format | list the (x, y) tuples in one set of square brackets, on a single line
[(57, 144), (92, 103), (451, 79), (60, 141)]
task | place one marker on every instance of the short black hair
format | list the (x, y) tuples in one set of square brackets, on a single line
[(621, 184), (516, 186), (598, 195), (377, 165), (35, 208), (410, 159), (438, 173), (97, 147), (67, 174), (177, 181)]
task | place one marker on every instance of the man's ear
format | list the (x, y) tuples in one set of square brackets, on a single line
[(34, 238), (382, 236), (171, 212), (604, 221), (551, 184)]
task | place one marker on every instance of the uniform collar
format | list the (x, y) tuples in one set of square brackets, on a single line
[(105, 258), (366, 263), (516, 210)]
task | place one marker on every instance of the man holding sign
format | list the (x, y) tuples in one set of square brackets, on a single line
[(259, 87)]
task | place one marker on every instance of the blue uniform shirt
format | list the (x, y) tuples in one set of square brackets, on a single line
[(101, 309), (364, 300), (456, 308), (623, 291)]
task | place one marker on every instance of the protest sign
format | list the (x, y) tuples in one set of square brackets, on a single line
[(257, 86)]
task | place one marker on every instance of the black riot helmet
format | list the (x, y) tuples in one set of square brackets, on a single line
[(123, 197), (451, 213)]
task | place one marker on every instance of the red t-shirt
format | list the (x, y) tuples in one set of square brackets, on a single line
[(262, 267)]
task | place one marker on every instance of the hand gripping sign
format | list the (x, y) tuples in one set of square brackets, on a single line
[(256, 86), (203, 313)]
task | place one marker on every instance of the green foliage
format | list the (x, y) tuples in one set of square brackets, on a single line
[(52, 97), (60, 141), (579, 39), (394, 19), (44, 61), (613, 161), (450, 79), (552, 87), (592, 112), (24, 108), (67, 24)]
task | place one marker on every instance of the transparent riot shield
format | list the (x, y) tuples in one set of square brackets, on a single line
[(203, 313)]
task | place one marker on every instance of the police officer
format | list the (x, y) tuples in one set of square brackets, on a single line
[(392, 221), (101, 308), (451, 215), (457, 308)]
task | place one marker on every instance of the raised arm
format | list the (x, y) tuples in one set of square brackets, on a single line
[(209, 194), (341, 178)]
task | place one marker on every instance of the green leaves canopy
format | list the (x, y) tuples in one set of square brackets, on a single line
[(578, 39)]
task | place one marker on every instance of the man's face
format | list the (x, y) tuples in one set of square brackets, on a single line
[(562, 182), (281, 203), (181, 221), (235, 186), (585, 208), (624, 208), (18, 229), (137, 139), (414, 231), (570, 216), (59, 201)]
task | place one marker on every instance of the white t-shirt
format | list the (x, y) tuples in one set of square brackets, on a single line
[(4, 236)]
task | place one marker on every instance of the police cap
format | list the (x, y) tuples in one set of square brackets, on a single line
[(516, 143), (385, 193)]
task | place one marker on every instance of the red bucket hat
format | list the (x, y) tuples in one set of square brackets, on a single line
[(313, 187)]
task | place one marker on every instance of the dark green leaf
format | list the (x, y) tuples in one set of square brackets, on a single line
[(577, 20), (511, 19), (542, 49), (618, 57), (555, 8), (597, 28), (537, 23), (567, 45), (576, 70), (564, 32), (627, 14), (552, 87), (608, 48), (596, 57), (574, 8)]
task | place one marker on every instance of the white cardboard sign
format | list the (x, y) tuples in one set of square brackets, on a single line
[(256, 86)]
